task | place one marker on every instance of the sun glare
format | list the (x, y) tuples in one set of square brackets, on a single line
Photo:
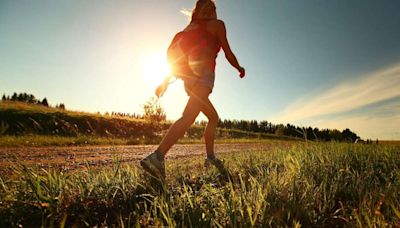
[(155, 68)]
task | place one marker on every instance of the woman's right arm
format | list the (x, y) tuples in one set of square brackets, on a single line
[(221, 33)]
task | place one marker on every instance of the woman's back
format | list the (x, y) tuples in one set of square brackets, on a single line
[(212, 25), (206, 45)]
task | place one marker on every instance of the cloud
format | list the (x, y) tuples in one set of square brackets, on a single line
[(374, 124), (349, 95)]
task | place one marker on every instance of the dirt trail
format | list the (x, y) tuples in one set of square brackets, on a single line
[(75, 157)]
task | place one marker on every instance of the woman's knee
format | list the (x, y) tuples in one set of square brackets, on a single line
[(213, 118), (188, 118)]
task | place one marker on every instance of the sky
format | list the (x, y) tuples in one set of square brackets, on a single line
[(325, 64)]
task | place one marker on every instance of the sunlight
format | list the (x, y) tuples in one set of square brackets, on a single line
[(155, 68)]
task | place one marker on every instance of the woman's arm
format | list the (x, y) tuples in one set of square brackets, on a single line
[(160, 90), (221, 33)]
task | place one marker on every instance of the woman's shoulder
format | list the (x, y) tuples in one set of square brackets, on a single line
[(217, 24)]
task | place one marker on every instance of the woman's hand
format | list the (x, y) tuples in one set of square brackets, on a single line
[(242, 72), (163, 86), (161, 89)]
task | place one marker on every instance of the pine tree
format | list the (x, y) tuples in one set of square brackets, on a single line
[(20, 97), (14, 97), (4, 98), (44, 102), (32, 99)]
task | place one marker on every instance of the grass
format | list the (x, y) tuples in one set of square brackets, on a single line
[(390, 142), (46, 140), (36, 125), (306, 184), (22, 107)]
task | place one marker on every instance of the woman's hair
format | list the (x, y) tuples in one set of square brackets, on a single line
[(204, 9)]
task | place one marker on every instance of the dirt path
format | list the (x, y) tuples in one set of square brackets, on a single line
[(74, 157)]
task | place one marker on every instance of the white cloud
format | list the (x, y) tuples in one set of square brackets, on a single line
[(386, 127), (323, 110), (350, 95)]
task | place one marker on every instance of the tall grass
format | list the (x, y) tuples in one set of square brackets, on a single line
[(308, 185)]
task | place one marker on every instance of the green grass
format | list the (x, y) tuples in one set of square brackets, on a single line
[(45, 140), (307, 184), (24, 124)]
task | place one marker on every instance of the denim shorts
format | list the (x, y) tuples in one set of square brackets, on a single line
[(206, 80)]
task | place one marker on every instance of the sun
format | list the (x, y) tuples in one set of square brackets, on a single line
[(155, 68)]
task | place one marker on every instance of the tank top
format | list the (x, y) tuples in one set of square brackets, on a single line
[(207, 49)]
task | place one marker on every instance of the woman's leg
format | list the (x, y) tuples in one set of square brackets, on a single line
[(198, 99), (209, 133)]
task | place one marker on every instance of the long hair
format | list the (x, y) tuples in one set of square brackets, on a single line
[(204, 9)]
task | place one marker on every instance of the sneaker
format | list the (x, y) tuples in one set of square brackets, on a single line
[(214, 161), (219, 164), (154, 165)]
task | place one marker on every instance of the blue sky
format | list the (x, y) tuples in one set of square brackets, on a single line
[(326, 64)]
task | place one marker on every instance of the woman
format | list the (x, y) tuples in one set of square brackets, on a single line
[(198, 86)]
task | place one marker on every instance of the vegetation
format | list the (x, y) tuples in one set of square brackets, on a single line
[(48, 140), (307, 133), (308, 185), (25, 119), (22, 114), (25, 124), (36, 125), (153, 111), (30, 99)]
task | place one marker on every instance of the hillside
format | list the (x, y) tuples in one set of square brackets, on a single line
[(22, 119)]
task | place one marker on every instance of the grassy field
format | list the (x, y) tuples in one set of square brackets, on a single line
[(305, 184), (47, 140), (27, 125)]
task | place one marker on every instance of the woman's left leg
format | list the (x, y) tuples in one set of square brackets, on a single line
[(154, 163), (209, 133), (197, 102)]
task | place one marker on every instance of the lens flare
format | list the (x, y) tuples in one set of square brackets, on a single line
[(155, 68)]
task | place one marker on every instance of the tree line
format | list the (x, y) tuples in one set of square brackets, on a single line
[(307, 133), (30, 99)]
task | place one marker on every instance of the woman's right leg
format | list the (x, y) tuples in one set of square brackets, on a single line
[(196, 103)]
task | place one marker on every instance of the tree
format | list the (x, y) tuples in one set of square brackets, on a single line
[(32, 99), (280, 130), (60, 106), (44, 102), (14, 97), (4, 97), (335, 135), (349, 136), (153, 111)]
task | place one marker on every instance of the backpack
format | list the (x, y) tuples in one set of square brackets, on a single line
[(188, 44), (177, 56)]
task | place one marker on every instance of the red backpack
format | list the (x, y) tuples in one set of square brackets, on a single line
[(186, 44)]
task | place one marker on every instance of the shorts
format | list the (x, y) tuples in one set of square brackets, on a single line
[(206, 80)]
